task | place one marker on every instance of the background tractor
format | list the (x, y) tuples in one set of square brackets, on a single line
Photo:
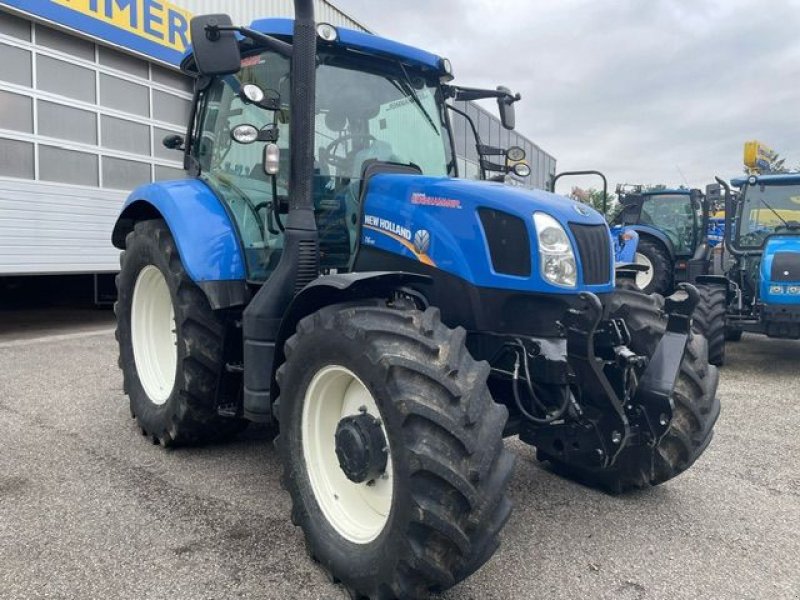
[(760, 289), (323, 270), (673, 234)]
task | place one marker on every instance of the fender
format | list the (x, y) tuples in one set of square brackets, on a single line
[(206, 237), (645, 230), (334, 289)]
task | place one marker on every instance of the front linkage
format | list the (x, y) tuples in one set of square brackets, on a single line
[(586, 401)]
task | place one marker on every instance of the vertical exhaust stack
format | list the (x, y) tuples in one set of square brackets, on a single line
[(299, 263), (301, 143)]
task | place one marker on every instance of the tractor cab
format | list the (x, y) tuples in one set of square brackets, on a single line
[(763, 238), (376, 102), (672, 225)]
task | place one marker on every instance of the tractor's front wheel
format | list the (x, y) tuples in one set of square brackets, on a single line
[(392, 449), (709, 320), (170, 342), (660, 270), (696, 406)]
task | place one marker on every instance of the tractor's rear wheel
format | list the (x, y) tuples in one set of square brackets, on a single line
[(392, 449), (658, 278), (170, 342), (709, 320), (696, 406)]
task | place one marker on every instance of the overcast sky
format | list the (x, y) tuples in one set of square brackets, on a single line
[(648, 91)]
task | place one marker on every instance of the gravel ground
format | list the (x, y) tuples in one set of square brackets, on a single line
[(90, 509)]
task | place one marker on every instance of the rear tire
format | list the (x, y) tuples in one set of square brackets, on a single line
[(709, 320), (653, 254), (171, 382), (696, 406), (447, 463)]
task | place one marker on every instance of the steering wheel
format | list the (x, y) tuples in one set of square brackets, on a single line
[(343, 163)]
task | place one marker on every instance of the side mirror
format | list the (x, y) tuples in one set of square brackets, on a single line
[(173, 142), (214, 45), (505, 105)]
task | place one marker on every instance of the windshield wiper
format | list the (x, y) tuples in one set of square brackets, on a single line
[(775, 212), (409, 90)]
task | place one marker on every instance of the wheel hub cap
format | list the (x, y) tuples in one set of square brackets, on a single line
[(361, 447)]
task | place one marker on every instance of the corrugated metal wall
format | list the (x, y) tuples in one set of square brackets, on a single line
[(245, 11)]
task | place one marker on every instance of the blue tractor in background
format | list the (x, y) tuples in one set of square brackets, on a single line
[(323, 270), (759, 291), (672, 226)]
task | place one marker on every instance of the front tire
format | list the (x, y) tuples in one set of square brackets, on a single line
[(432, 515), (652, 254), (709, 320), (693, 418), (170, 342)]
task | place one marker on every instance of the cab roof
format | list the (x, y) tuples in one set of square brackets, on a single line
[(355, 40), (358, 40), (770, 178)]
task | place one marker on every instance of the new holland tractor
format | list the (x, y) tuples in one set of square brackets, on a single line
[(324, 271), (760, 289), (673, 235)]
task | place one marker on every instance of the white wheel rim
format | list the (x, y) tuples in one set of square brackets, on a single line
[(153, 334), (644, 278), (357, 511)]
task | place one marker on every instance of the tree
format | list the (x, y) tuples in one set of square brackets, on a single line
[(594, 198)]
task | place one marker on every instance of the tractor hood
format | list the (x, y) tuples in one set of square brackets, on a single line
[(780, 270), (483, 232)]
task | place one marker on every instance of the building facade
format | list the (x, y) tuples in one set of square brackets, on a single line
[(86, 96)]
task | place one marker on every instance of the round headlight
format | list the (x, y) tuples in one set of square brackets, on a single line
[(776, 289), (794, 289), (327, 32), (521, 170), (253, 93), (245, 134), (752, 180), (515, 153)]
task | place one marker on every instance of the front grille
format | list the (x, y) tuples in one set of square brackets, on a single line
[(786, 266), (509, 244), (594, 248)]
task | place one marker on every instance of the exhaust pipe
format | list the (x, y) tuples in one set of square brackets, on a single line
[(299, 262)]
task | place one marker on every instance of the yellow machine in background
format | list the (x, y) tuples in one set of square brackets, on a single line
[(758, 157)]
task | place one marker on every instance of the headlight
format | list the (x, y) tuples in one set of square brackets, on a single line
[(794, 290), (556, 258), (776, 289)]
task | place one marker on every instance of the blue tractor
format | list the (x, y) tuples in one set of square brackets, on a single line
[(322, 269), (760, 289), (672, 226)]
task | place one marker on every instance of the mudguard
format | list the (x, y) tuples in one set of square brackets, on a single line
[(206, 237), (656, 233)]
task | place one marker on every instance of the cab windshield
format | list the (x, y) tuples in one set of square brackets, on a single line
[(675, 215), (766, 210), (366, 109)]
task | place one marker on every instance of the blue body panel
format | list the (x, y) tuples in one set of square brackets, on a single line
[(207, 240), (624, 249), (358, 40), (772, 247), (397, 207)]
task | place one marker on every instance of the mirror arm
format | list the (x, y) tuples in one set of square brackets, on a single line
[(467, 94), (469, 120), (279, 46)]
